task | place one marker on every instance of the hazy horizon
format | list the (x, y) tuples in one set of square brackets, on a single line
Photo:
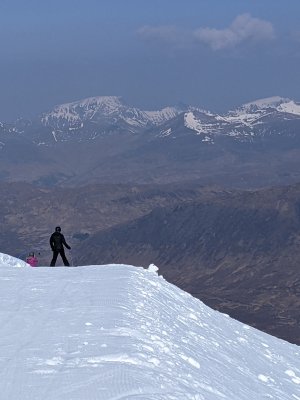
[(204, 53)]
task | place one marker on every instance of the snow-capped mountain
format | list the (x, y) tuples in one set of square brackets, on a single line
[(96, 109), (102, 129), (253, 113), (121, 332), (276, 103), (255, 119), (108, 115)]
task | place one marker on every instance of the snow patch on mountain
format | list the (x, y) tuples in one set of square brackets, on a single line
[(243, 117), (83, 109), (158, 117), (191, 122), (165, 133), (290, 107), (194, 123), (268, 102), (104, 107), (109, 104), (271, 104), (203, 123), (251, 114)]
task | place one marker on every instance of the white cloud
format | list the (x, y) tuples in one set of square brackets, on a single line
[(243, 28)]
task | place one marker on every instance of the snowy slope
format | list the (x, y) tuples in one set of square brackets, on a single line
[(202, 123), (95, 109), (252, 113), (120, 332), (9, 261), (256, 118), (267, 102)]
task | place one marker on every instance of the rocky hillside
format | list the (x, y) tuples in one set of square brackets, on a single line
[(29, 214), (237, 251)]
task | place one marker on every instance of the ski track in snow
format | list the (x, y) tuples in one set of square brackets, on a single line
[(119, 332)]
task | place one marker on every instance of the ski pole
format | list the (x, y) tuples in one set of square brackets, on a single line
[(71, 257)]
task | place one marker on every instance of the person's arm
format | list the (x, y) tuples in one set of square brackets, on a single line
[(65, 243), (51, 242)]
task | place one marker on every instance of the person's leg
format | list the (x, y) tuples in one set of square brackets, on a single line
[(54, 258), (64, 258)]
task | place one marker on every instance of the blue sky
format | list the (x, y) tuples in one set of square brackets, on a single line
[(215, 54)]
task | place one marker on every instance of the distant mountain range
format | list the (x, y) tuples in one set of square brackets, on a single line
[(101, 139)]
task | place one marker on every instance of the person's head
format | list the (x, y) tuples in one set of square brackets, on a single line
[(58, 229), (31, 254)]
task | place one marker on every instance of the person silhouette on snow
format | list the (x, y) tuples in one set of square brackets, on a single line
[(57, 243)]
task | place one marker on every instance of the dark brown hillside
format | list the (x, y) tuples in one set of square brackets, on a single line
[(29, 214), (237, 252)]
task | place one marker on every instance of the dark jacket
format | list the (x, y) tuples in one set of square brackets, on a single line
[(57, 241)]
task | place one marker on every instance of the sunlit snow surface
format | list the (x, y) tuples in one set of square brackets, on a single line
[(120, 332)]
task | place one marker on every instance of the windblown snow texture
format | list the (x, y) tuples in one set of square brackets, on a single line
[(120, 332)]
